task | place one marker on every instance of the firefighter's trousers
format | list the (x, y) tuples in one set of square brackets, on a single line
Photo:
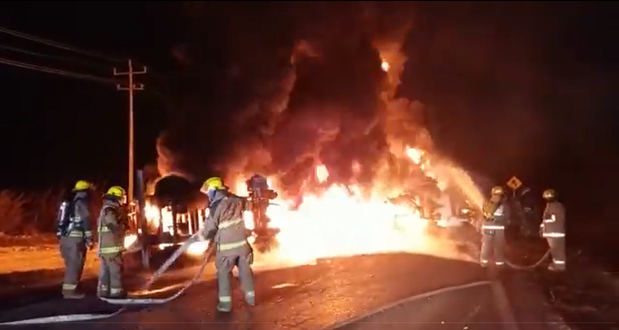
[(557, 250), (492, 245), (110, 275), (73, 251), (224, 263)]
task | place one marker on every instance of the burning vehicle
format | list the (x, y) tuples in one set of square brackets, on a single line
[(344, 168), (176, 210)]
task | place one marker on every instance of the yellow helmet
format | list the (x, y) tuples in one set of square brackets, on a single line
[(549, 194), (117, 191), (498, 191), (81, 185), (212, 183)]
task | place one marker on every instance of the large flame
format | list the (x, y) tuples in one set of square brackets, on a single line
[(338, 221), (382, 205), (341, 222)]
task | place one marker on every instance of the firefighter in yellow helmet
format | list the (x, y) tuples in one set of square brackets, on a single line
[(493, 228), (226, 227), (553, 229), (73, 231), (111, 230)]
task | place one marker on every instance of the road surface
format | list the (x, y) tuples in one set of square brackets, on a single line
[(312, 297), (459, 308), (341, 292)]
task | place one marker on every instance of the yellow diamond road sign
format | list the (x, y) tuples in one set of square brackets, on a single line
[(514, 183)]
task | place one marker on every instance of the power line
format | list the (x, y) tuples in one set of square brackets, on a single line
[(49, 56), (71, 74), (52, 43)]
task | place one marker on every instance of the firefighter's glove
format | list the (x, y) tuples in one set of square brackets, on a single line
[(90, 244)]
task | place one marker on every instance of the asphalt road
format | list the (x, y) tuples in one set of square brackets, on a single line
[(388, 291), (306, 297), (361, 292), (461, 308)]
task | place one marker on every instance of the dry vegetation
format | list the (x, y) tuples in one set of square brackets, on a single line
[(33, 213)]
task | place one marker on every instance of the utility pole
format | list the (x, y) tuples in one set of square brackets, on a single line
[(130, 88)]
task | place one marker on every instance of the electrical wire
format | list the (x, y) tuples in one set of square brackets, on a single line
[(71, 60), (61, 72), (55, 44)]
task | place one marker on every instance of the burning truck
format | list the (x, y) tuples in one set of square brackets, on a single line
[(287, 231), (347, 170), (175, 210)]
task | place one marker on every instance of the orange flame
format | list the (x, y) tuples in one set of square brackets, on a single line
[(151, 212), (347, 219), (342, 223), (167, 220), (414, 154), (129, 240), (197, 248)]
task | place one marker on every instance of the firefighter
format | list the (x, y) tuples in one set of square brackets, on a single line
[(493, 228), (225, 226), (111, 230), (75, 236), (553, 229)]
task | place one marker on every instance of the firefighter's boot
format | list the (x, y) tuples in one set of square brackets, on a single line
[(117, 293), (250, 298), (553, 267), (72, 294), (224, 306), (103, 291)]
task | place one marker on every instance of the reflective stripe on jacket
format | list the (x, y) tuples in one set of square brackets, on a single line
[(493, 227)]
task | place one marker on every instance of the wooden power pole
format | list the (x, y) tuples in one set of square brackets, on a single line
[(130, 88)]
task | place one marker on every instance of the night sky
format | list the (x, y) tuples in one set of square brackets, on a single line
[(525, 89)]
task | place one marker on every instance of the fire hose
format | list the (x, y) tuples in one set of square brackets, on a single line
[(157, 301), (131, 301), (527, 267), (521, 267)]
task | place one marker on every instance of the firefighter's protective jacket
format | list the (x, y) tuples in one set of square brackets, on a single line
[(111, 227), (225, 224), (553, 222)]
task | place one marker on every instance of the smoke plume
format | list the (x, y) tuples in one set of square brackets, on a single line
[(295, 88)]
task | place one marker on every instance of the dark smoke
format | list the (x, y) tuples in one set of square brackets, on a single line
[(526, 89), (302, 82)]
